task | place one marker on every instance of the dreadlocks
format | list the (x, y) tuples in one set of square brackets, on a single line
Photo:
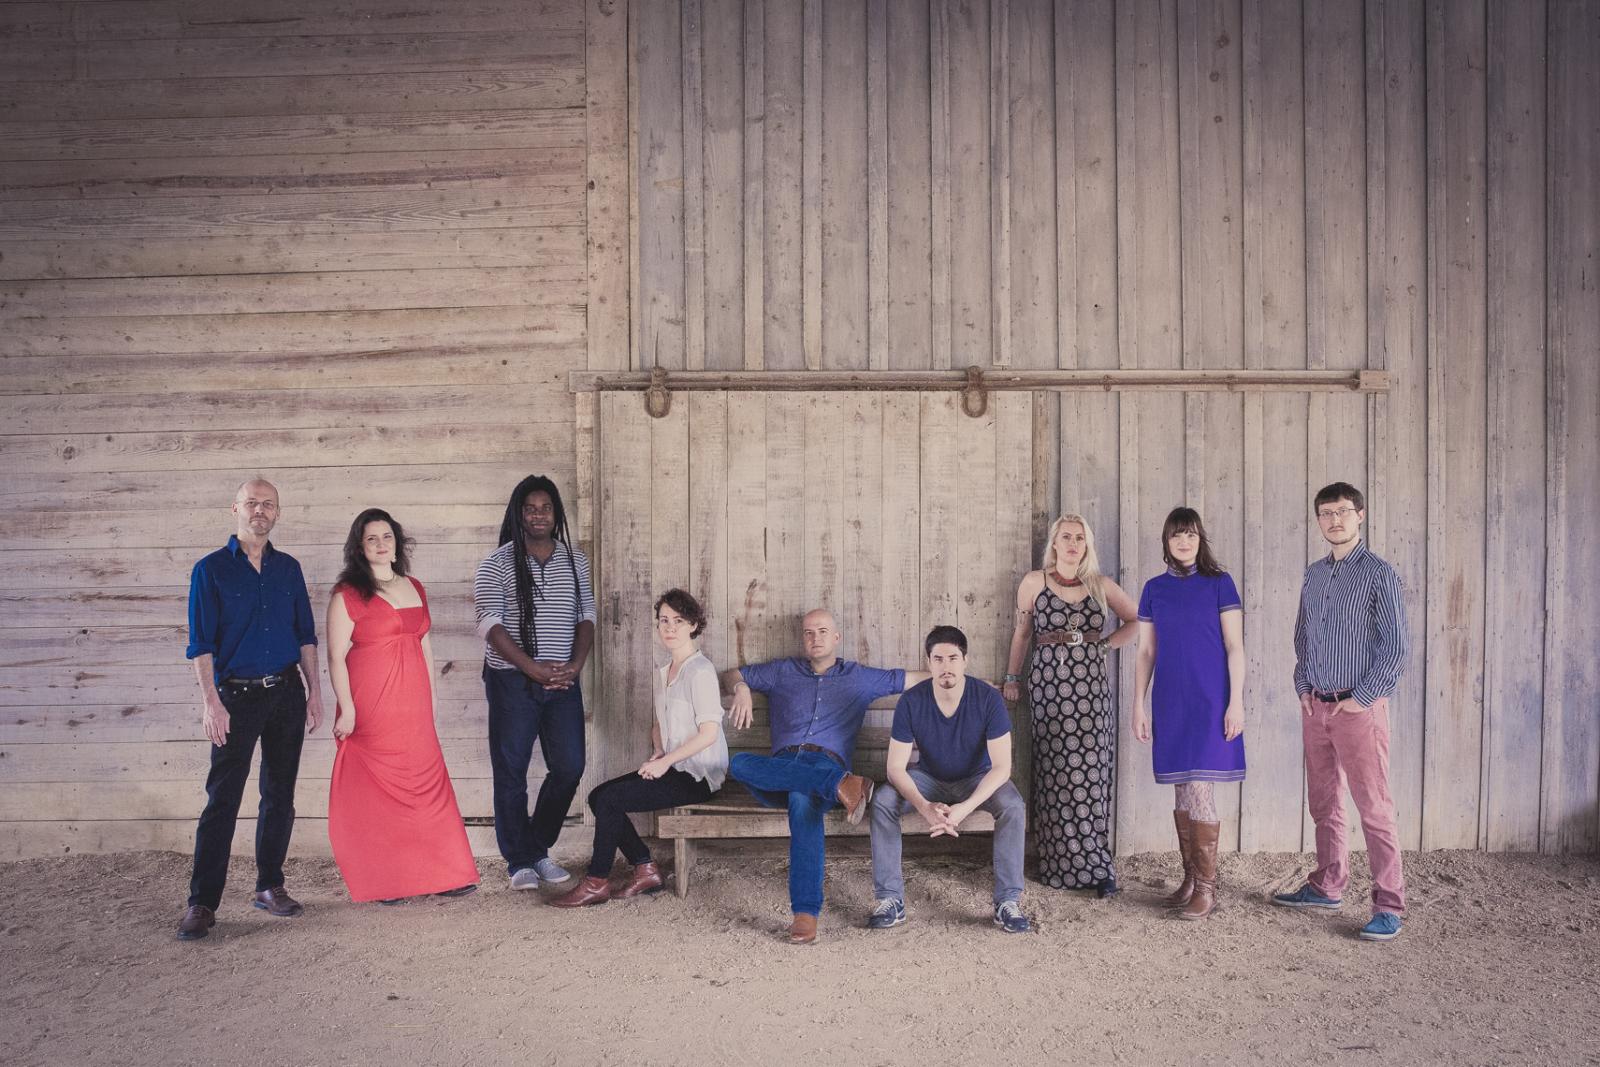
[(512, 529)]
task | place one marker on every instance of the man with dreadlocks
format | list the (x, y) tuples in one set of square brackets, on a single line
[(536, 615)]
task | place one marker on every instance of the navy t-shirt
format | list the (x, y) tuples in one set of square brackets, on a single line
[(956, 747)]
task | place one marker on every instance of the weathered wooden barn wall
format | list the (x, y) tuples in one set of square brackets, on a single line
[(1389, 184), (341, 245)]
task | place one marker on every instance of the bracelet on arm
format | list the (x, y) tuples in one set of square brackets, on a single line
[(1013, 677)]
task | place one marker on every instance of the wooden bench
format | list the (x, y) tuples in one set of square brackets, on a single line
[(733, 813)]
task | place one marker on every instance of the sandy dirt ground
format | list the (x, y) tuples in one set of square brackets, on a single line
[(1499, 964)]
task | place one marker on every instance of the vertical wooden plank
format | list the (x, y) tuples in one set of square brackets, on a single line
[(787, 595), (941, 239), (1013, 545), (1513, 682), (727, 191), (1571, 770), (749, 609), (862, 500), (622, 714), (979, 583), (694, 188), (1397, 504), (659, 289), (971, 250), (822, 507), (1000, 180), (845, 282), (941, 512), (669, 495), (1452, 755), (877, 134), (783, 296), (753, 269), (812, 131), (900, 543), (606, 200), (910, 173), (709, 520), (1026, 246), (1149, 313)]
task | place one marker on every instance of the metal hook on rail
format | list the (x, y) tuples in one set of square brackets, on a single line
[(974, 397), (657, 400)]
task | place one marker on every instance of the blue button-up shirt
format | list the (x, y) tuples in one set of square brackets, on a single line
[(252, 623), (1351, 629), (805, 708)]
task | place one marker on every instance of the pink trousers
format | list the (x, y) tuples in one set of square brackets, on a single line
[(1353, 749)]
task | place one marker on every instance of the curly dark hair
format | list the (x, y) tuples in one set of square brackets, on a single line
[(357, 573), (1180, 519), (687, 606)]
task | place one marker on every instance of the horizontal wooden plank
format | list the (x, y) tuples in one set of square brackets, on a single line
[(309, 334), (271, 143), (35, 22), (23, 61), (349, 171), (115, 647), (531, 364), (166, 605), (485, 206), (74, 567), (285, 57), (26, 840), (52, 802), (776, 824), (546, 447), (552, 81), (393, 485), (145, 19), (167, 761), (441, 249)]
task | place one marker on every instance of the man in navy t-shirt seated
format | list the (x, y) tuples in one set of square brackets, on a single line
[(962, 731)]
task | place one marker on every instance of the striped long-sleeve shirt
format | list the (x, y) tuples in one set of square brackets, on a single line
[(559, 604), (1351, 629)]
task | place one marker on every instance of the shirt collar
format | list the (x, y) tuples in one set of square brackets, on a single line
[(1182, 572), (237, 549), (805, 667), (1355, 553)]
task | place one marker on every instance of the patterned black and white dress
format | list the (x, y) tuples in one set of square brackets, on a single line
[(1073, 762)]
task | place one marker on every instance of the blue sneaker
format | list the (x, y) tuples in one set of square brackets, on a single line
[(1306, 897), (550, 872), (1008, 917), (886, 912), (1385, 926)]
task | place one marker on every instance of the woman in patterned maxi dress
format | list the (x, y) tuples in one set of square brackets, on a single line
[(1063, 608)]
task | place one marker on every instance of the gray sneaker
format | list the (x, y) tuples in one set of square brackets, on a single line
[(527, 878), (552, 873)]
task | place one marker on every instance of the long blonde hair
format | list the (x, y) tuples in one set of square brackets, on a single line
[(1088, 567)]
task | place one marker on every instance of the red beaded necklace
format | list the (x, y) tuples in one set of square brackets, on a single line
[(1070, 583)]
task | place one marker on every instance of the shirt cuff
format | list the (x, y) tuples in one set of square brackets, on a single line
[(590, 616), (487, 623), (1365, 697), (1303, 688)]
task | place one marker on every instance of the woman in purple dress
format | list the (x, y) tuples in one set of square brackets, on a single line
[(1191, 638)]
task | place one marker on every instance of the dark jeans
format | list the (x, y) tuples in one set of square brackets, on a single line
[(612, 801), (807, 783), (521, 713), (277, 717)]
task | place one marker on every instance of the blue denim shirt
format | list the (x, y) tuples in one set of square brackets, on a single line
[(253, 624), (804, 708)]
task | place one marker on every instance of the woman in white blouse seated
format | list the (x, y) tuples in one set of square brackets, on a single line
[(688, 760)]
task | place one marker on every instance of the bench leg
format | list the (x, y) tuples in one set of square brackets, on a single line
[(681, 853)]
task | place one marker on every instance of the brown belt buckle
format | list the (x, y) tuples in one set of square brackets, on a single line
[(1074, 638)]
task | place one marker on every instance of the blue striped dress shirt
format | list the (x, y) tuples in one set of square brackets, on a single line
[(1351, 629)]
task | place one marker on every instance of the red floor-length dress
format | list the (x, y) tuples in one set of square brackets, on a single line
[(392, 816)]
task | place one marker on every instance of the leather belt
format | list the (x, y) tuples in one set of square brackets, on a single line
[(1071, 638), (266, 681), (830, 753), (1332, 698)]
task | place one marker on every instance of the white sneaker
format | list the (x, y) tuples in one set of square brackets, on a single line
[(527, 878), (551, 872)]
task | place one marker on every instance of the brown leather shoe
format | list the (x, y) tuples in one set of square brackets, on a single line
[(589, 890), (646, 879), (854, 792), (277, 901), (1205, 870), (1185, 890), (197, 923), (803, 931)]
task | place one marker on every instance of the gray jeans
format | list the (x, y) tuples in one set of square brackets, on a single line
[(1010, 813)]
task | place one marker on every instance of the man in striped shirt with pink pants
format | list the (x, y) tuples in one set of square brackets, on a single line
[(1350, 647)]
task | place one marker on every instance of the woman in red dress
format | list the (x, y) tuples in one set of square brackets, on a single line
[(392, 816)]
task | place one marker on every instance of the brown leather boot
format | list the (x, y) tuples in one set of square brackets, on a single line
[(590, 890), (646, 879), (1185, 849), (803, 931), (197, 923), (1205, 870), (853, 793)]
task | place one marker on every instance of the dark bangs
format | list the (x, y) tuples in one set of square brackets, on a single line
[(1187, 520)]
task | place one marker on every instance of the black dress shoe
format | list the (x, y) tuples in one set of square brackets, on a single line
[(460, 890), (1107, 888), (277, 901), (391, 902), (197, 923)]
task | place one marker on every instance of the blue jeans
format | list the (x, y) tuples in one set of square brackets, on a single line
[(521, 713), (808, 784), (1010, 813)]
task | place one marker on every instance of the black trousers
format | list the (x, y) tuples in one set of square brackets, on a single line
[(277, 718), (612, 801)]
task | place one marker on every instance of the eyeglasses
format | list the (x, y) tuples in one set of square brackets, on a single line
[(1329, 514)]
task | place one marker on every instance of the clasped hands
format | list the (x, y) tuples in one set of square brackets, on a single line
[(943, 819), (655, 766), (552, 675)]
